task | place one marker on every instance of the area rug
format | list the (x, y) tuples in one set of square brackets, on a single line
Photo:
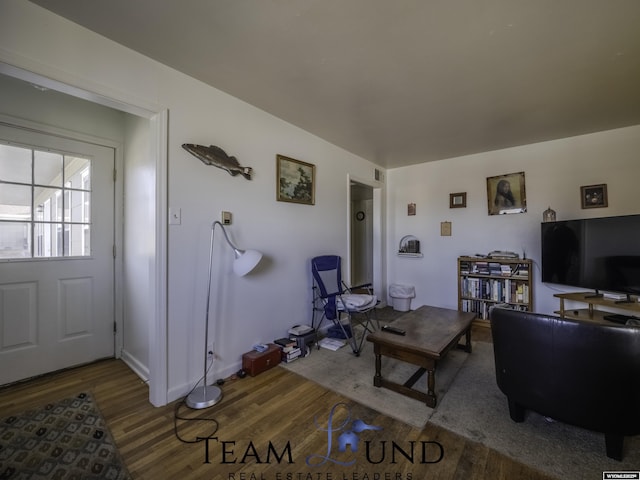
[(342, 372), (475, 408), (67, 439)]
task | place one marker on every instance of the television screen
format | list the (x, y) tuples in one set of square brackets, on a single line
[(594, 253)]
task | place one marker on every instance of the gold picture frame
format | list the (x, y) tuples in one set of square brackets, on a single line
[(506, 194), (458, 200), (594, 196), (295, 181)]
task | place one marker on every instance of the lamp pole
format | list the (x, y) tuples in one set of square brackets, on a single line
[(245, 261)]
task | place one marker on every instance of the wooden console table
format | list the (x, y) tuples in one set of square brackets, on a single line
[(591, 313)]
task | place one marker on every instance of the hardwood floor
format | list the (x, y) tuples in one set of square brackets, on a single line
[(266, 427)]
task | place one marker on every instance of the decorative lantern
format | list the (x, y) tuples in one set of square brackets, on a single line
[(549, 215)]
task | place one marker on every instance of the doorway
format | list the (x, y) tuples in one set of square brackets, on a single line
[(153, 319), (56, 250), (365, 227), (361, 227)]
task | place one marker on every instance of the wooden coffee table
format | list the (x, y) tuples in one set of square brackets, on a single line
[(430, 333)]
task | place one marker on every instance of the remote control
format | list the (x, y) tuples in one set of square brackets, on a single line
[(394, 330)]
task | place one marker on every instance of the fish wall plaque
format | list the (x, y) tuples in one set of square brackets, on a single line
[(217, 157)]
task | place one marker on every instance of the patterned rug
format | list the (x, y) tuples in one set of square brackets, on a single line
[(66, 440)]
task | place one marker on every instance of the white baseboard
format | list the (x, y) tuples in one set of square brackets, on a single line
[(136, 365)]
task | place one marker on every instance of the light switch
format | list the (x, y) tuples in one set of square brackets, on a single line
[(226, 218)]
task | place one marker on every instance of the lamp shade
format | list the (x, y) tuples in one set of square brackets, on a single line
[(245, 261)]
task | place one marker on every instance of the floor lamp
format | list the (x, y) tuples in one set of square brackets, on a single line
[(245, 261)]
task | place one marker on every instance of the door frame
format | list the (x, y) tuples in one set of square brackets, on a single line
[(377, 240), (157, 115)]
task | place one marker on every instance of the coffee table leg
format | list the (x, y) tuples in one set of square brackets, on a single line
[(431, 387), (468, 340), (377, 379)]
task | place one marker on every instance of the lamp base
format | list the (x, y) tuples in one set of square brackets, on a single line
[(203, 397)]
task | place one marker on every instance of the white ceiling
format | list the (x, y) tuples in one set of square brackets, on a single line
[(399, 82)]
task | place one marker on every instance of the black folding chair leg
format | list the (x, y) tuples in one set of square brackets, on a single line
[(350, 337)]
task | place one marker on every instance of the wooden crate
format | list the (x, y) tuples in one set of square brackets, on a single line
[(257, 362)]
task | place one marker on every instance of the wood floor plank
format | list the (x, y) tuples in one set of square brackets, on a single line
[(278, 407)]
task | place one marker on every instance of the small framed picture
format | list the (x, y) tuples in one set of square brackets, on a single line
[(506, 194), (295, 181), (458, 200), (594, 196), (411, 209)]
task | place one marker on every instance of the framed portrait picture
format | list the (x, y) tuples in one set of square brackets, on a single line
[(458, 200), (594, 196), (506, 194), (295, 181)]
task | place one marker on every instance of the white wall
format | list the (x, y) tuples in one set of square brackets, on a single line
[(53, 109), (251, 309), (139, 242), (554, 172), (260, 306)]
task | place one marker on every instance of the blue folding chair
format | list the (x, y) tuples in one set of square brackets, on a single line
[(335, 300)]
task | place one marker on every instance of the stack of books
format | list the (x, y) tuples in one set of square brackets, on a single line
[(289, 348), (522, 270), (495, 269), (481, 268)]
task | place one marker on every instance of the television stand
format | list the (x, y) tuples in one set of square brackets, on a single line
[(627, 300), (593, 314), (596, 294)]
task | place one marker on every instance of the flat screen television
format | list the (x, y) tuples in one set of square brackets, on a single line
[(601, 254)]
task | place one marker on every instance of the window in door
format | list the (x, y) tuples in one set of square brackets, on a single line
[(45, 203)]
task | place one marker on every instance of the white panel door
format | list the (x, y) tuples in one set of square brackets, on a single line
[(56, 253)]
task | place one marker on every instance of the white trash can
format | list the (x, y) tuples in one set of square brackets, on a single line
[(401, 296)]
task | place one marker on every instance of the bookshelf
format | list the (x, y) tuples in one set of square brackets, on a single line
[(485, 282)]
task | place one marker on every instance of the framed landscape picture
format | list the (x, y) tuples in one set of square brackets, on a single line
[(295, 181), (506, 194)]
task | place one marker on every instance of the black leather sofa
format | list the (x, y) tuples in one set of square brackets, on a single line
[(578, 372)]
